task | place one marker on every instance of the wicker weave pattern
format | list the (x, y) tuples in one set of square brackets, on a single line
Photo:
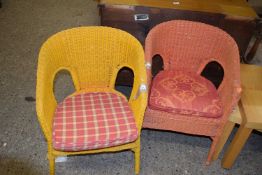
[(93, 56), (190, 46)]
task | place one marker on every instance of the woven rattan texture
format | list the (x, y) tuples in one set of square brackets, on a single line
[(93, 56), (190, 46)]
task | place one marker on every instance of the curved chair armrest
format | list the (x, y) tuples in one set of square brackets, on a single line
[(230, 94), (150, 52), (148, 66), (138, 104), (45, 98), (45, 108)]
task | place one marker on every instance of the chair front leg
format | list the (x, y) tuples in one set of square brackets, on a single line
[(136, 151), (212, 149), (51, 159)]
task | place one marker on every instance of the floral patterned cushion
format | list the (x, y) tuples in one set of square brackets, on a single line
[(185, 93)]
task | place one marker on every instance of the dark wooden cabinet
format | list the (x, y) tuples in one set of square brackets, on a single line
[(139, 19), (139, 16)]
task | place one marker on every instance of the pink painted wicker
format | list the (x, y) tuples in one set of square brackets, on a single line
[(190, 46)]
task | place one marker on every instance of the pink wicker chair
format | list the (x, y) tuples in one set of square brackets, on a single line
[(186, 48)]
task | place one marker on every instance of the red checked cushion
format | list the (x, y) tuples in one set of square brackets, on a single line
[(184, 93), (93, 120)]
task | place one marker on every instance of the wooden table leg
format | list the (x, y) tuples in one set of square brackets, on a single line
[(223, 139), (235, 146), (252, 51), (258, 34)]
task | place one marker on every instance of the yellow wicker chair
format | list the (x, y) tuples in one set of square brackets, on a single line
[(93, 56)]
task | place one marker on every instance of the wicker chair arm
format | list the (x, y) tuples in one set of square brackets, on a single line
[(45, 107), (138, 106), (230, 93)]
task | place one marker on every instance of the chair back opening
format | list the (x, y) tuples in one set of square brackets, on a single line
[(214, 72), (157, 64), (125, 74), (63, 85)]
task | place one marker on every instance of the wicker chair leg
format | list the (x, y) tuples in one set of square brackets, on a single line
[(137, 158), (51, 164), (212, 149)]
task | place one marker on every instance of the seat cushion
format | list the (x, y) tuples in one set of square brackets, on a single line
[(93, 120), (185, 93)]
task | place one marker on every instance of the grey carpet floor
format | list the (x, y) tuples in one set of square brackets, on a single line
[(24, 26)]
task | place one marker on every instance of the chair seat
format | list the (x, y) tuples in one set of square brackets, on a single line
[(184, 93), (93, 120)]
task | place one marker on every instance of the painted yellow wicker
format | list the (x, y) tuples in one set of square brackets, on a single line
[(93, 56)]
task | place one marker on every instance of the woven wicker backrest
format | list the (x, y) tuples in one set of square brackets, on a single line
[(91, 54), (188, 45)]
